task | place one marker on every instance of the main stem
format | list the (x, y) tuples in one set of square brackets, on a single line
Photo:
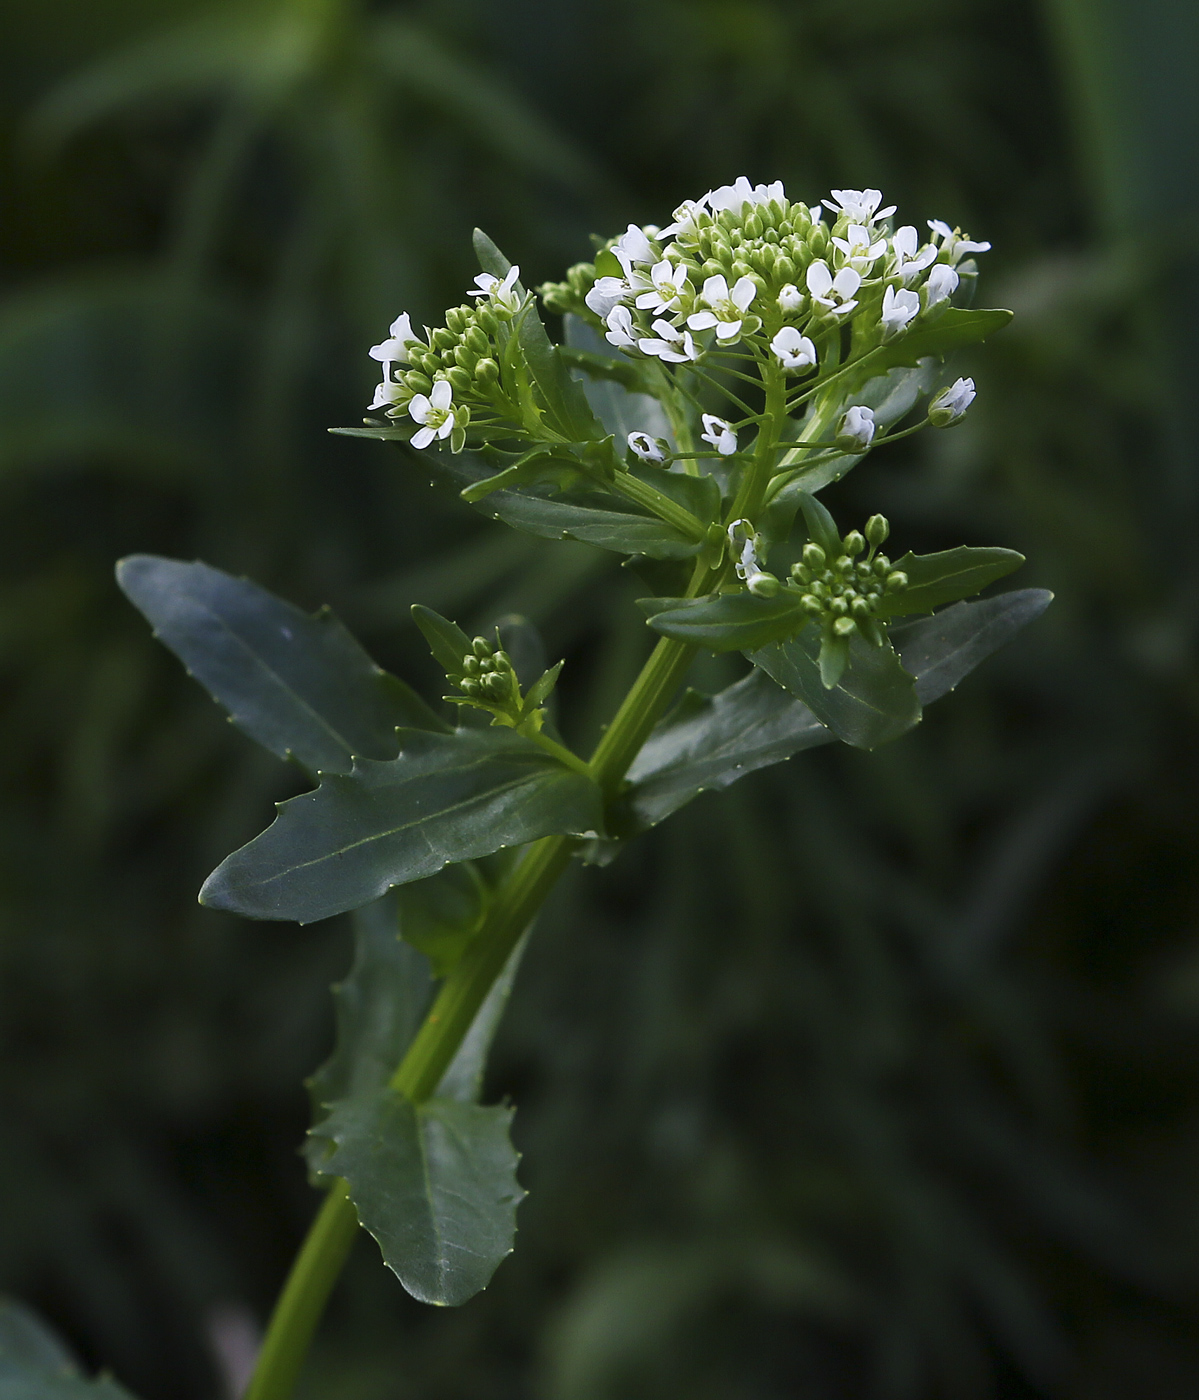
[(513, 908)]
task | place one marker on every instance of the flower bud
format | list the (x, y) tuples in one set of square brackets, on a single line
[(856, 431), (456, 318), (465, 357), (503, 662), (485, 319), (811, 605), (477, 341), (497, 686), (845, 627), (897, 582), (763, 585), (469, 686), (814, 557), (878, 527), (860, 607), (854, 543), (443, 338), (487, 373), (417, 382), (470, 664), (461, 379), (950, 405), (481, 647)]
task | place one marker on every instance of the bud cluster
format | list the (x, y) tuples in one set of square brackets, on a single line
[(844, 592), (487, 674)]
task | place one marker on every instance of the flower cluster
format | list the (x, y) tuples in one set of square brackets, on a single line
[(437, 380), (487, 674), (844, 592), (745, 264)]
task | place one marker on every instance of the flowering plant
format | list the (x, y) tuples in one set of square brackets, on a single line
[(716, 375)]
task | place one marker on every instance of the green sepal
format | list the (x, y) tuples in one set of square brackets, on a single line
[(937, 579), (435, 1184), (954, 329), (871, 703), (726, 621), (297, 683), (446, 798), (447, 641)]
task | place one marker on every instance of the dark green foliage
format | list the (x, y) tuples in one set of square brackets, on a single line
[(35, 1365)]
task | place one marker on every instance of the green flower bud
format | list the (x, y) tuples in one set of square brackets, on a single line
[(502, 661), (468, 686), (814, 557), (881, 565), (763, 585), (465, 358), (838, 606), (481, 647), (497, 687), (477, 341), (843, 565), (417, 382), (897, 582), (878, 527), (860, 607), (811, 605), (470, 665), (784, 269), (741, 268), (845, 627), (461, 379), (818, 237), (456, 319), (485, 319), (443, 339), (854, 543)]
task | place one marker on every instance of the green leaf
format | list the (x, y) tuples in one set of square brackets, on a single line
[(447, 641), (953, 330), (936, 579), (35, 1365), (489, 256), (873, 702), (726, 621), (591, 519), (707, 743), (940, 651), (698, 494), (441, 915), (620, 411), (435, 1185), (822, 528), (463, 1079), (378, 1008), (298, 684), (446, 798)]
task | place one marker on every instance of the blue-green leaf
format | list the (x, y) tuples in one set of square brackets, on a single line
[(298, 684), (446, 798), (873, 702), (726, 621), (447, 641), (441, 915), (35, 1365), (435, 1185), (937, 579)]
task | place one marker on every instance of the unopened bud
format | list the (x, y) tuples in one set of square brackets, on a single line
[(811, 605), (878, 527), (950, 405), (417, 382), (856, 431), (763, 585), (477, 341), (487, 373), (470, 665), (897, 582), (845, 627), (461, 379), (481, 647), (814, 557), (854, 543)]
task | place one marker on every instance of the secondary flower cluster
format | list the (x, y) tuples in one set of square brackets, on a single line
[(437, 379), (844, 593), (746, 264)]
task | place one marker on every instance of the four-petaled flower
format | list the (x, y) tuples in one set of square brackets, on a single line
[(394, 350), (727, 309), (898, 309), (607, 293), (687, 218), (834, 294), (856, 431), (954, 244), (669, 282), (387, 394), (859, 206), (857, 251), (794, 351), (672, 344), (434, 413), (503, 294), (909, 262), (949, 406), (647, 448), (620, 328), (942, 283), (633, 249), (719, 434)]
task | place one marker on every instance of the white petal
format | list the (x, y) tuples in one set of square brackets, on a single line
[(744, 292), (728, 330), (819, 278), (701, 320), (716, 289), (419, 408), (423, 437), (443, 392)]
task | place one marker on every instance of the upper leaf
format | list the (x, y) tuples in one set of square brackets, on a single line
[(954, 329), (620, 411), (435, 1185), (873, 702), (298, 684), (726, 621), (35, 1365), (446, 798), (937, 579)]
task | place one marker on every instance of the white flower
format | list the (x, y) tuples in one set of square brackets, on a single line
[(736, 196), (857, 251), (633, 248), (387, 394), (668, 285), (757, 580), (687, 219), (907, 262), (794, 351), (673, 344), (898, 310), (834, 294), (607, 293), (857, 429), (647, 448), (942, 281), (620, 328), (950, 405), (434, 413), (727, 308), (394, 350), (718, 434), (859, 206), (954, 243), (503, 293), (791, 299)]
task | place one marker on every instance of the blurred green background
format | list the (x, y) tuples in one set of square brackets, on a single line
[(877, 1076)]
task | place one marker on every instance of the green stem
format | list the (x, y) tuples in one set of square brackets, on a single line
[(512, 910)]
